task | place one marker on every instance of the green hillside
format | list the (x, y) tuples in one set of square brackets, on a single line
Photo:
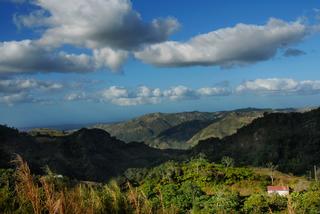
[(177, 136), (228, 125), (183, 130), (149, 126)]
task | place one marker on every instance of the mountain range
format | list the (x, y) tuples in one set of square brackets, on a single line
[(183, 130), (288, 139)]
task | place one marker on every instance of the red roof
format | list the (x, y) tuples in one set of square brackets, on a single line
[(278, 188)]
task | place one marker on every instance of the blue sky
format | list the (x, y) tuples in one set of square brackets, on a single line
[(117, 59)]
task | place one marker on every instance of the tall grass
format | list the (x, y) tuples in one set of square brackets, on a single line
[(43, 195), (27, 189)]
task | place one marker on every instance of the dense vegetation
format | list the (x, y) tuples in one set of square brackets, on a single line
[(289, 140), (195, 186), (87, 154)]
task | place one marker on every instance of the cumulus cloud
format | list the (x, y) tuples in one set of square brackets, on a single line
[(279, 86), (11, 99), (28, 56), (109, 29), (239, 45), (144, 95), (14, 91), (293, 52), (101, 23), (23, 85), (107, 57), (33, 20), (123, 97), (20, 91), (76, 96)]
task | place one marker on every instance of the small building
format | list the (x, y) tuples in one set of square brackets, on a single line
[(280, 190)]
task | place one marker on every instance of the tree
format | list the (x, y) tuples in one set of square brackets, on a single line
[(272, 168), (256, 203), (227, 161)]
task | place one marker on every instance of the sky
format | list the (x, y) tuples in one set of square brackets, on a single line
[(90, 61)]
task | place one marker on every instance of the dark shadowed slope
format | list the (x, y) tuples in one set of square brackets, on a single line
[(290, 140), (177, 136), (86, 154)]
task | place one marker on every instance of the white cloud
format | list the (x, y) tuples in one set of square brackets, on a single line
[(145, 95), (135, 101), (213, 91), (115, 92), (8, 86), (76, 96), (144, 91), (107, 57), (101, 23), (109, 29), (33, 20), (279, 86), (11, 99), (14, 91), (239, 45), (29, 56), (179, 93), (18, 91)]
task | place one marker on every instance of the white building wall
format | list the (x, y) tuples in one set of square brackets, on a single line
[(279, 192)]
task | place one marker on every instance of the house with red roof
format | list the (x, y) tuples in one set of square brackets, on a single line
[(280, 190)]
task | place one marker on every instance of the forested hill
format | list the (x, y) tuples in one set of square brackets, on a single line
[(289, 140), (87, 154)]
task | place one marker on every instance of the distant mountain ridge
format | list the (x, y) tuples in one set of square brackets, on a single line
[(149, 126), (183, 130)]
